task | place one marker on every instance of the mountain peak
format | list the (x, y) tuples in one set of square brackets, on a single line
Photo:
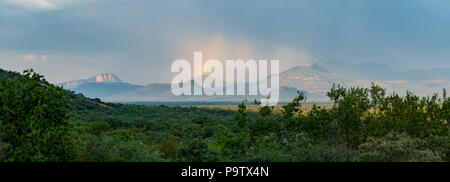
[(100, 78), (105, 77)]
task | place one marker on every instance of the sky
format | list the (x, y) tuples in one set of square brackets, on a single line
[(139, 39)]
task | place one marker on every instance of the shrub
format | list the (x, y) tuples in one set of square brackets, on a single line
[(195, 150), (324, 153), (396, 148), (106, 148)]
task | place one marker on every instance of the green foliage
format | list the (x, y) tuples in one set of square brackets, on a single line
[(241, 116), (97, 127), (350, 107), (264, 111), (294, 106), (9, 75), (169, 147), (33, 120), (195, 150), (230, 144), (113, 148), (320, 124), (396, 148), (418, 117), (264, 154)]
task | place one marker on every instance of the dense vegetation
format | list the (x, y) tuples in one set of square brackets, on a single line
[(33, 120), (364, 124)]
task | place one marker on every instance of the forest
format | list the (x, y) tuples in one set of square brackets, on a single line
[(42, 122)]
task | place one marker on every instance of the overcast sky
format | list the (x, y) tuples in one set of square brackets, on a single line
[(139, 39)]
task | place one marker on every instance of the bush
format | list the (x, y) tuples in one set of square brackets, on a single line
[(106, 148), (440, 144), (195, 150), (349, 108), (263, 154), (97, 127), (396, 148), (324, 153)]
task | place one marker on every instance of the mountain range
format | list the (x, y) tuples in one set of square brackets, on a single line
[(100, 86), (377, 71), (314, 81), (161, 92)]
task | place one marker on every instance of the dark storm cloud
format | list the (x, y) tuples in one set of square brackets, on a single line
[(140, 38)]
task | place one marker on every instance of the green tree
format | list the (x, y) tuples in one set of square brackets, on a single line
[(265, 110), (294, 106), (33, 120), (350, 106), (241, 116)]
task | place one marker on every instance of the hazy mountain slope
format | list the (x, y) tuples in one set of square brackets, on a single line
[(100, 86), (102, 90), (376, 71), (100, 78), (314, 80), (311, 79), (420, 81), (422, 74), (318, 79), (161, 92), (157, 91), (364, 71)]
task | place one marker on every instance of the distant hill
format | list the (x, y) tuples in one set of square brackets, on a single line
[(102, 90), (100, 78), (100, 86), (314, 79)]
